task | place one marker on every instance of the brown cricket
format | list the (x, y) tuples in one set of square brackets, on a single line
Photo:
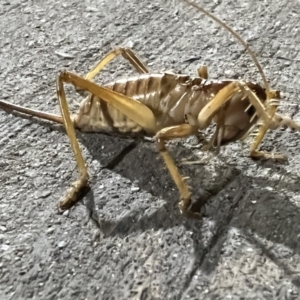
[(165, 106)]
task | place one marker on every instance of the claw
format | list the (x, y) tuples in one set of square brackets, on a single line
[(77, 190), (185, 209)]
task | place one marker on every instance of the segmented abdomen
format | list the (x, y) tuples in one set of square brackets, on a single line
[(170, 96)]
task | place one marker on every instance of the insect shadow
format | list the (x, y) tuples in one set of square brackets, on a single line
[(232, 199), (254, 206)]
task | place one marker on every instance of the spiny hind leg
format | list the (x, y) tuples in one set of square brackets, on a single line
[(161, 137), (78, 187), (133, 109), (127, 53)]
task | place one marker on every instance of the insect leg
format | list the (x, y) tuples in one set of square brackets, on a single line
[(259, 137), (270, 120), (212, 108), (225, 94), (80, 186), (278, 120), (281, 120), (168, 133), (127, 53), (133, 109), (9, 107)]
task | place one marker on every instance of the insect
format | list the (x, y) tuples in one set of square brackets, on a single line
[(165, 106)]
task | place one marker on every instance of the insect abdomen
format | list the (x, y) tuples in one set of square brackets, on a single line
[(169, 96)]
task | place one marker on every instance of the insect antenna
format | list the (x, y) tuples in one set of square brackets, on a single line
[(237, 36)]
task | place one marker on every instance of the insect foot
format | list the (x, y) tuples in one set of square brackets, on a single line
[(77, 191), (187, 209)]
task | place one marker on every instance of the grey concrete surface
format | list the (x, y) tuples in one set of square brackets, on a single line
[(126, 239)]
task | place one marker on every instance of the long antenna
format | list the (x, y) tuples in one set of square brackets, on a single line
[(247, 47)]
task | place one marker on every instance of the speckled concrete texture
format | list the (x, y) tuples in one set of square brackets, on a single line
[(127, 239)]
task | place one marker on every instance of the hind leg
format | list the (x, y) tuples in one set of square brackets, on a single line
[(133, 109), (127, 53)]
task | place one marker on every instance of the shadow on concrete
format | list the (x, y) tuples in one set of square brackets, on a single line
[(226, 192), (228, 195)]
